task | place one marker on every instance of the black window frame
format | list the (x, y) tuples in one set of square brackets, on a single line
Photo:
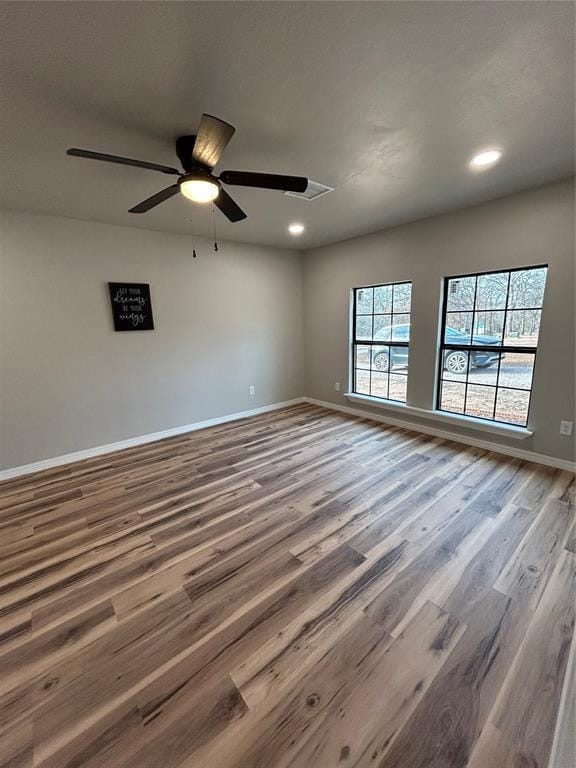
[(355, 342), (503, 348)]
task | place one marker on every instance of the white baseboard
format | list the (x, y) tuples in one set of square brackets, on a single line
[(69, 458), (538, 458)]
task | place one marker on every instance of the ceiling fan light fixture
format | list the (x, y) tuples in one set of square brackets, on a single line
[(199, 190)]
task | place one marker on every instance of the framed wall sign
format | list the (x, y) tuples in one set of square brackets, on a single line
[(131, 306)]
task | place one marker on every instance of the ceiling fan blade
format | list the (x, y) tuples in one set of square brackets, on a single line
[(155, 200), (229, 208), (121, 160), (265, 180), (211, 140)]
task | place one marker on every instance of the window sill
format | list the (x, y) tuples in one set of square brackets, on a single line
[(469, 422)]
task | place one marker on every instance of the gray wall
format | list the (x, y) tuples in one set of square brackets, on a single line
[(533, 227), (224, 321), (234, 318)]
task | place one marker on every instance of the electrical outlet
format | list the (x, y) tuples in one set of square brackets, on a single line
[(337, 386), (566, 427), (252, 390)]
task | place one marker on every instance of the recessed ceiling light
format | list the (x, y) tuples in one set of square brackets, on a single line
[(296, 229), (485, 159)]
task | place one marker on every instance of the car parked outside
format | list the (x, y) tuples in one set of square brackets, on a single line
[(388, 355)]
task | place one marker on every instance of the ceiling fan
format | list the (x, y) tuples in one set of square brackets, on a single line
[(198, 155)]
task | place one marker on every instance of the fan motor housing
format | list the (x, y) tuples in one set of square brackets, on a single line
[(184, 149)]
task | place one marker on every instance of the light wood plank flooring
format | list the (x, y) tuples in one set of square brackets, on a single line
[(297, 589)]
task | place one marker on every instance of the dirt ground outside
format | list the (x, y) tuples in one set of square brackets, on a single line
[(491, 393)]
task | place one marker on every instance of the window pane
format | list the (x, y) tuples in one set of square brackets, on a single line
[(400, 327), (491, 291), (382, 327), (522, 327), (527, 288), (458, 328), (402, 297), (362, 356), (488, 327), (512, 406), (483, 368), (380, 358), (399, 358), (364, 297), (452, 397), (461, 293), (362, 382), (383, 299), (480, 401), (364, 328), (398, 387), (379, 386), (455, 364), (516, 370)]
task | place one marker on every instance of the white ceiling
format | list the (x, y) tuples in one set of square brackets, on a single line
[(385, 101)]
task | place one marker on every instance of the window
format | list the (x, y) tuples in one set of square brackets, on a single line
[(380, 340), (488, 345)]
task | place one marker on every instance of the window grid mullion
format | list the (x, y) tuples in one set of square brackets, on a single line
[(488, 348), (372, 337), (512, 309), (383, 343), (354, 346), (503, 337), (469, 356)]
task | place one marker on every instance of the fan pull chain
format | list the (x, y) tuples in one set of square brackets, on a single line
[(193, 241), (214, 228)]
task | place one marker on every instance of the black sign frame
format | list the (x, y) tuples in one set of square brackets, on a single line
[(131, 306)]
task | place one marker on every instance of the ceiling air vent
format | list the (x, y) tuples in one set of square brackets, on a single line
[(312, 191)]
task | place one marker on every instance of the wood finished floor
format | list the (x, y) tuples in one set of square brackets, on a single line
[(298, 589)]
